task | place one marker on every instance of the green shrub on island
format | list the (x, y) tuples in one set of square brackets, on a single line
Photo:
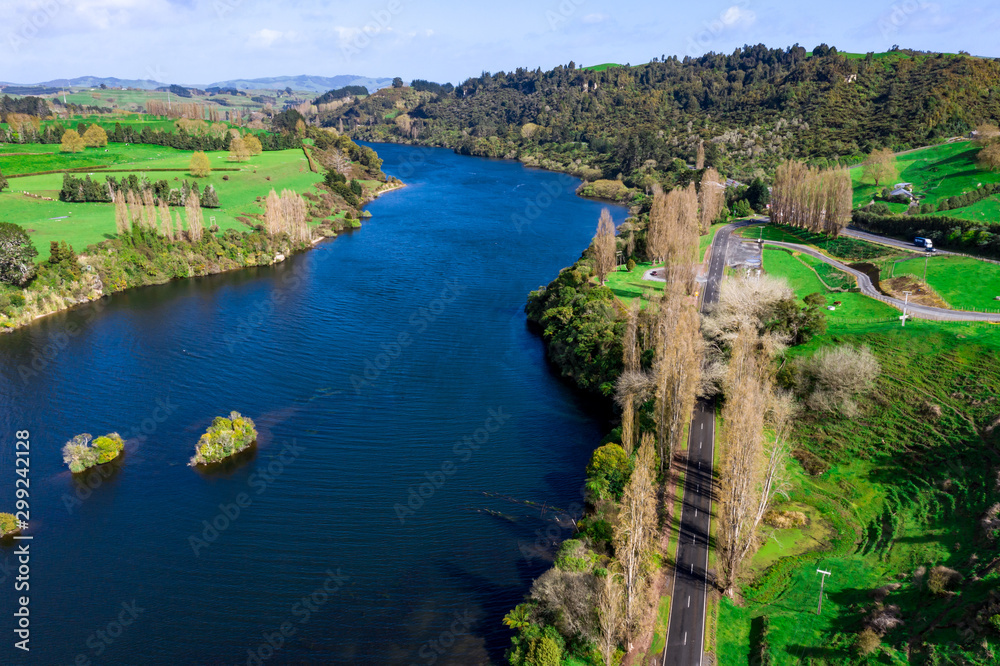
[(8, 524), (80, 453), (224, 438)]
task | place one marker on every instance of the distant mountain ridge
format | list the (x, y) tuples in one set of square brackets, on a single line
[(304, 82), (318, 84)]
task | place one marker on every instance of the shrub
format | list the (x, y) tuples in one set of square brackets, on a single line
[(630, 266), (544, 652), (815, 298), (831, 378), (940, 579), (17, 254), (81, 453), (8, 524), (880, 208), (224, 438), (573, 556), (612, 464), (867, 642), (784, 520)]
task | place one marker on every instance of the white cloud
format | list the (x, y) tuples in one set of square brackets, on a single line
[(266, 38), (737, 15), (595, 18)]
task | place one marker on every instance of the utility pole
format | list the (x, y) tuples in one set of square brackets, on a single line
[(905, 303), (819, 609), (927, 257)]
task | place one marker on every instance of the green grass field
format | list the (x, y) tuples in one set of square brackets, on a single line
[(601, 67), (82, 224), (902, 485), (630, 285), (844, 248), (136, 99), (965, 283), (855, 310), (793, 541), (937, 173)]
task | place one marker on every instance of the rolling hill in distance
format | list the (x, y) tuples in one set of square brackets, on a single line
[(300, 82)]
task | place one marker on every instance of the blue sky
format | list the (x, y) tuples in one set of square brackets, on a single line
[(202, 41)]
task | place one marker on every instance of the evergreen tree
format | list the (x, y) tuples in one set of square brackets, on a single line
[(209, 198)]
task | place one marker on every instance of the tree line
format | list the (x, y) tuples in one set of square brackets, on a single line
[(81, 190), (750, 109)]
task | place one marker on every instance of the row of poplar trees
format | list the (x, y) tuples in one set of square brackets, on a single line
[(671, 327)]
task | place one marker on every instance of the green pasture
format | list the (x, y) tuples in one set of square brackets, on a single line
[(937, 173), (963, 282), (82, 224), (629, 285), (856, 310)]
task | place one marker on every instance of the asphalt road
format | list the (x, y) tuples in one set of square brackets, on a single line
[(686, 629), (885, 240)]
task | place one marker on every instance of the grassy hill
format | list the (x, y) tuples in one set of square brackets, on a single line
[(938, 173)]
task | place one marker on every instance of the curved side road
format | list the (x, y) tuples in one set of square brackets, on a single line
[(868, 289)]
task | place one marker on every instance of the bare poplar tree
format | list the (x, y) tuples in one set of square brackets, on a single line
[(657, 231), (294, 214), (677, 369), (634, 533), (744, 463), (682, 236), (609, 616), (630, 362), (699, 158), (604, 246), (195, 224), (166, 221), (273, 222), (712, 196), (123, 221), (149, 210), (134, 209), (813, 199)]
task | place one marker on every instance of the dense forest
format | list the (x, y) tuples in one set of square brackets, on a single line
[(752, 109)]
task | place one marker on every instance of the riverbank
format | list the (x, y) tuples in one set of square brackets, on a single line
[(47, 299)]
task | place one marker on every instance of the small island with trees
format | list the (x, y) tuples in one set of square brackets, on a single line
[(80, 453), (8, 525), (224, 438)]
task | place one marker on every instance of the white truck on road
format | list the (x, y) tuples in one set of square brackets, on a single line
[(925, 243)]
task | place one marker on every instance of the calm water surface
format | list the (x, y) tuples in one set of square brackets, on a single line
[(406, 417)]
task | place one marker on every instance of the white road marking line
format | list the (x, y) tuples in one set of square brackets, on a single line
[(685, 638), (696, 513), (689, 601), (692, 567)]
